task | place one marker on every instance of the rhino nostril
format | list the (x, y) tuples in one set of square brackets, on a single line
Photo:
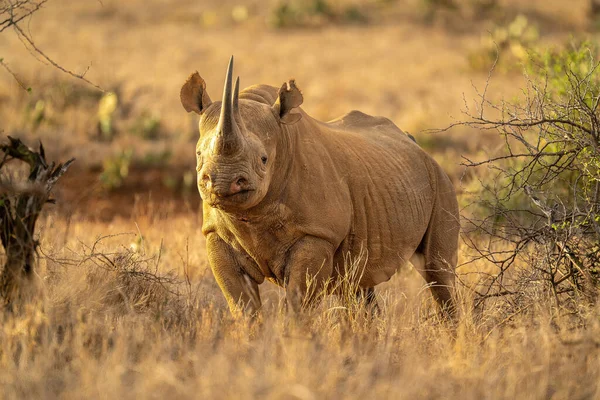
[(240, 184), (207, 181)]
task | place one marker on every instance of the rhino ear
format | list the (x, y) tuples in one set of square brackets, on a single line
[(288, 98), (193, 94)]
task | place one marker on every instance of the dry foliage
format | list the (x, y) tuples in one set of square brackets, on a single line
[(124, 323)]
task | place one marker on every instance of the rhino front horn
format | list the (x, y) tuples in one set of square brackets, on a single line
[(229, 135)]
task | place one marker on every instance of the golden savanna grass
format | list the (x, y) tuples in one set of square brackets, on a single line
[(128, 305), (106, 331)]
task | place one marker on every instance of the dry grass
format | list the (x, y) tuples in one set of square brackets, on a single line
[(104, 331), (107, 327)]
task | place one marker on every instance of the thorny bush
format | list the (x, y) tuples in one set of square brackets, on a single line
[(535, 213)]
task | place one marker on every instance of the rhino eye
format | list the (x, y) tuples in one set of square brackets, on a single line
[(264, 160)]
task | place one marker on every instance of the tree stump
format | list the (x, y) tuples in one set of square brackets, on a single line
[(20, 207)]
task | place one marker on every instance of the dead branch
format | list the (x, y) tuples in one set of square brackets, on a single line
[(15, 12), (20, 207), (536, 216)]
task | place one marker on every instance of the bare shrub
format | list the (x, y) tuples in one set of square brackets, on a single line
[(20, 207), (535, 213), (125, 281)]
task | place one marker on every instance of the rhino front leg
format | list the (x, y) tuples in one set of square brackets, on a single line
[(239, 289), (368, 296), (310, 264)]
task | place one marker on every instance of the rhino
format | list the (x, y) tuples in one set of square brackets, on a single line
[(291, 199)]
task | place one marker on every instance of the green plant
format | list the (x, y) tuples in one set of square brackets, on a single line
[(505, 45), (295, 14), (116, 169), (157, 159), (240, 13), (146, 125), (189, 182), (106, 108), (37, 114), (457, 11), (354, 14)]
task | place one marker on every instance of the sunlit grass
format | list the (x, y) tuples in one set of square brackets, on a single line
[(103, 330)]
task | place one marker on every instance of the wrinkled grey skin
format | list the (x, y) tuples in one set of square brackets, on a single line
[(286, 197)]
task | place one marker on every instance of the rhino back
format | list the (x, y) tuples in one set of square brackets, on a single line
[(390, 183)]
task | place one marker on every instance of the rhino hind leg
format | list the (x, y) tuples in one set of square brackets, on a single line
[(436, 257), (439, 275)]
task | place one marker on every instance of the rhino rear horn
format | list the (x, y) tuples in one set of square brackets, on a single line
[(193, 94), (236, 100), (288, 98)]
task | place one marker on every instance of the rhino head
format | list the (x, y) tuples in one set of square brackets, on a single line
[(236, 152)]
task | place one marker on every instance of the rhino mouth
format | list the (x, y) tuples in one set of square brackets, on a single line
[(241, 192), (216, 200)]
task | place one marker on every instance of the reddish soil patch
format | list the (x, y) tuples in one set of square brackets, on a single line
[(146, 190)]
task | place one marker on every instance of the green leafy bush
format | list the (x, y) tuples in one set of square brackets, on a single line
[(539, 199), (508, 45)]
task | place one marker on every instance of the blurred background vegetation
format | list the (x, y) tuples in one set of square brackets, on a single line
[(413, 61)]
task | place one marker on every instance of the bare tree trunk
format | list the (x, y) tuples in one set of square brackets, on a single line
[(20, 207)]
